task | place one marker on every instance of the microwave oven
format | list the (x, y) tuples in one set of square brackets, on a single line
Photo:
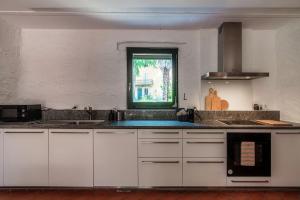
[(20, 113)]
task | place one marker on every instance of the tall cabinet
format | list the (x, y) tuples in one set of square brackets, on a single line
[(1, 158), (115, 157), (71, 157), (286, 158)]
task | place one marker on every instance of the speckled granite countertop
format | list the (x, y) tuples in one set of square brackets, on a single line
[(139, 124)]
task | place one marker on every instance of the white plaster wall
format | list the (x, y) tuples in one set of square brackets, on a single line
[(10, 41), (288, 70), (259, 55), (61, 68)]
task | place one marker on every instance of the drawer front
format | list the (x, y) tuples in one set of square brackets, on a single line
[(212, 134), (204, 172), (204, 148), (159, 133), (160, 147), (249, 181), (160, 172)]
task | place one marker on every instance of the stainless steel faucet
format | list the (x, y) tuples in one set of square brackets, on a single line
[(89, 110)]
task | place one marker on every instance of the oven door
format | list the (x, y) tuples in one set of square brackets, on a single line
[(248, 154)]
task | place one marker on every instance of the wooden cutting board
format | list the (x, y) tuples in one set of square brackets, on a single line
[(224, 105), (273, 123), (208, 99), (216, 102)]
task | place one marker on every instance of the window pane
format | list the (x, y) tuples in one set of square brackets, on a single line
[(152, 77)]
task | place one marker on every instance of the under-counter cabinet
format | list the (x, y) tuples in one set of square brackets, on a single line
[(115, 157), (160, 157), (71, 157), (25, 157), (1, 158), (286, 158), (204, 158)]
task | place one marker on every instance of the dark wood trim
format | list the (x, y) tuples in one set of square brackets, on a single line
[(154, 105)]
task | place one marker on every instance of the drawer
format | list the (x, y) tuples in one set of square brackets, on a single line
[(204, 172), (159, 133), (204, 148), (160, 147), (249, 181), (160, 172), (212, 134)]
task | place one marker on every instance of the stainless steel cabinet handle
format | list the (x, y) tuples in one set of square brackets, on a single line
[(188, 142), (24, 132), (149, 142), (263, 181), (115, 132), (288, 133), (204, 132), (62, 132), (165, 132), (161, 162), (192, 162)]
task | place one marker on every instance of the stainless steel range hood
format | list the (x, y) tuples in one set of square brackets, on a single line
[(230, 55)]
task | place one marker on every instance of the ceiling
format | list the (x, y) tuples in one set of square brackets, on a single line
[(148, 14)]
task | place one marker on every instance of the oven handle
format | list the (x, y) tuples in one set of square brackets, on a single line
[(257, 181)]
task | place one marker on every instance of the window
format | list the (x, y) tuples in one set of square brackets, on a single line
[(152, 78)]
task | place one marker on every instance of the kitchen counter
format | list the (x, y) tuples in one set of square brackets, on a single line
[(140, 124)]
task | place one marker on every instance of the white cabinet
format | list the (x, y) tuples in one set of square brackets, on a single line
[(26, 157), (115, 158), (204, 158), (204, 148), (204, 172), (286, 158), (160, 148), (160, 133), (71, 157), (1, 158), (158, 172), (160, 157)]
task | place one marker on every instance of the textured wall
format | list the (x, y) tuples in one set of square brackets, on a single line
[(10, 41), (258, 55), (288, 70), (61, 68)]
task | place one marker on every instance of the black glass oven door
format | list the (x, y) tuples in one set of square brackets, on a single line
[(248, 154)]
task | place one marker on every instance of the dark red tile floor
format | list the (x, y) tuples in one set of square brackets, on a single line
[(145, 195)]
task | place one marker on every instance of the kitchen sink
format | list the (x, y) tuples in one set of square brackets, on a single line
[(240, 122), (76, 122)]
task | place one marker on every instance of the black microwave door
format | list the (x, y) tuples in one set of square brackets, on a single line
[(261, 166)]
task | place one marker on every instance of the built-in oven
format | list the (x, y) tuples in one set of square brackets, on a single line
[(20, 113), (249, 154)]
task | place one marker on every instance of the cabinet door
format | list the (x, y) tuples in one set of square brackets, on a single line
[(26, 157), (71, 157), (1, 158), (204, 148), (160, 172), (286, 158), (204, 172), (115, 158)]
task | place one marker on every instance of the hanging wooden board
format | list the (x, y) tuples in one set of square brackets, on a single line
[(208, 99), (216, 102), (273, 123), (224, 105)]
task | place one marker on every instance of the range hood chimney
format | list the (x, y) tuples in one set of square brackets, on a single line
[(230, 55)]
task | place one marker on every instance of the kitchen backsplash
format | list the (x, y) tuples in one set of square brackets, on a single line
[(160, 115)]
